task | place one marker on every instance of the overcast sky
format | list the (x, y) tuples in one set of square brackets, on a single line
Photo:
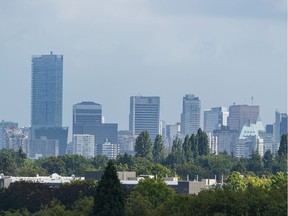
[(223, 51)]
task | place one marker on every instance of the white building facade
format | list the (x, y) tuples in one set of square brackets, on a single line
[(83, 144)]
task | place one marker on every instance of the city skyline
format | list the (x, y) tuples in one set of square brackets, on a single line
[(221, 52)]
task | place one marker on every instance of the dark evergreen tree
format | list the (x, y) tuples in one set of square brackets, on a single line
[(158, 149), (255, 163), (143, 145), (187, 149), (109, 198), (203, 146), (194, 145), (268, 160), (8, 160), (282, 151)]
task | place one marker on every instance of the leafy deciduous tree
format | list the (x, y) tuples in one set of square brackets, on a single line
[(158, 149), (143, 145), (187, 149)]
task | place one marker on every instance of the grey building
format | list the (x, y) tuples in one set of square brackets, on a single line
[(240, 115), (280, 125), (87, 119), (215, 118), (86, 114), (190, 117), (4, 125), (226, 139), (144, 115), (46, 102), (47, 90)]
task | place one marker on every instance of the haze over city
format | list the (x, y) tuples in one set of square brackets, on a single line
[(223, 52)]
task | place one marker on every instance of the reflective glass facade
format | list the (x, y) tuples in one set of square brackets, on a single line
[(47, 90)]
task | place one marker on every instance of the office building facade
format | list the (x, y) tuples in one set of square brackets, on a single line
[(240, 115), (280, 125), (83, 144), (47, 90), (85, 115), (215, 118), (144, 115), (46, 105), (190, 117), (87, 119)]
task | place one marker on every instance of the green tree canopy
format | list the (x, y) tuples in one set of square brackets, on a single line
[(282, 151), (143, 146), (158, 149), (109, 198), (194, 145), (187, 149), (156, 191), (203, 146)]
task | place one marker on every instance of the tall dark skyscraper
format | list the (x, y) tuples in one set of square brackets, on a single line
[(46, 107), (47, 90), (144, 115)]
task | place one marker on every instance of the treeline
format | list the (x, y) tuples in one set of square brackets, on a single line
[(240, 195), (189, 157), (24, 198)]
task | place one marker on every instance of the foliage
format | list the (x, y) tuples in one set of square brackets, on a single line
[(194, 145), (282, 151), (158, 149), (8, 160), (203, 146), (236, 182), (187, 149), (109, 198), (176, 156), (156, 191), (143, 145), (137, 204)]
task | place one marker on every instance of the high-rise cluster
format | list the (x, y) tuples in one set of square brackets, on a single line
[(237, 131)]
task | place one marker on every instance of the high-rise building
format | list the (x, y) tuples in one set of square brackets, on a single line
[(46, 105), (280, 125), (109, 149), (83, 144), (172, 131), (226, 139), (144, 115), (240, 115), (47, 90), (215, 118), (87, 119), (190, 117), (86, 115), (4, 125)]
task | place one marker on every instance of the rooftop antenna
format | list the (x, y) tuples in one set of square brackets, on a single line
[(252, 98)]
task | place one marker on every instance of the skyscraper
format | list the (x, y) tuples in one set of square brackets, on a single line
[(280, 125), (47, 90), (85, 115), (87, 119), (215, 118), (144, 115), (190, 117), (239, 115), (46, 104)]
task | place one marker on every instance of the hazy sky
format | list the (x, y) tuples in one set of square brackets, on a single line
[(223, 51)]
